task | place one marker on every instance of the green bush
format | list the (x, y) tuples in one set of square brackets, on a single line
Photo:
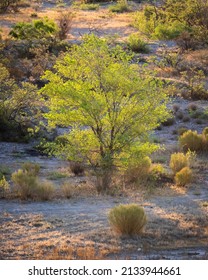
[(127, 219), (178, 161), (191, 140), (136, 44), (120, 7), (183, 19), (168, 31), (183, 177), (89, 7), (37, 29)]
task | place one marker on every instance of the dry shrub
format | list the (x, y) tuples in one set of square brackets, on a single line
[(138, 171), (178, 161), (65, 24), (176, 108), (29, 187), (181, 130), (205, 139), (192, 107), (77, 168), (191, 140), (4, 187), (31, 168), (44, 191), (157, 172), (183, 177), (75, 252), (25, 183), (186, 42), (179, 115), (67, 190), (127, 219), (205, 132), (169, 121)]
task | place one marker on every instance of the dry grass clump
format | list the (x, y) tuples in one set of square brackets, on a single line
[(29, 187), (138, 171), (183, 177), (4, 187), (67, 190), (31, 168), (193, 141), (44, 190), (127, 219), (75, 252), (25, 184), (192, 107), (178, 161), (205, 132)]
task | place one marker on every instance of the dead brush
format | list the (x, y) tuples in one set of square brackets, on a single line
[(75, 252), (65, 21)]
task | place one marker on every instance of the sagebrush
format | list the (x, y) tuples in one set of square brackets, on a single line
[(127, 219)]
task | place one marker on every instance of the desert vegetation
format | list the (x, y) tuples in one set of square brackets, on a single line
[(103, 129)]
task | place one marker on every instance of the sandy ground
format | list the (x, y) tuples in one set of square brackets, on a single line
[(101, 22), (177, 225)]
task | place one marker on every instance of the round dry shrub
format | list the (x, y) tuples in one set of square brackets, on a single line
[(169, 122), (176, 107), (183, 177), (77, 168), (44, 190), (128, 219), (191, 140), (26, 184), (31, 168), (138, 170), (178, 161), (67, 190), (192, 107)]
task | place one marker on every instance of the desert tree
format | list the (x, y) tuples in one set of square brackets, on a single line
[(110, 104)]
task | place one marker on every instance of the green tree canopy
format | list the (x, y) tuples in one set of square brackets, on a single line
[(111, 105)]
